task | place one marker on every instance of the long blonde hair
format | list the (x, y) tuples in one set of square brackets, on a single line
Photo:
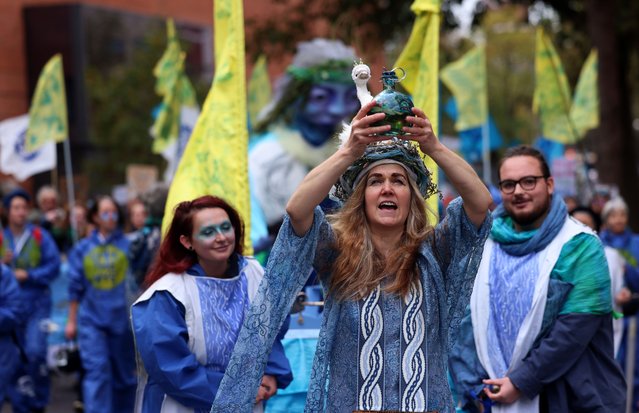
[(359, 268)]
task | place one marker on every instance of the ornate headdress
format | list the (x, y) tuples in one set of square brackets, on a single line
[(397, 151)]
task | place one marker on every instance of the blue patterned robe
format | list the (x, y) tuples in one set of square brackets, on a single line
[(447, 261)]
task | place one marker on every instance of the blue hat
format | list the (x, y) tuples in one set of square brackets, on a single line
[(6, 201)]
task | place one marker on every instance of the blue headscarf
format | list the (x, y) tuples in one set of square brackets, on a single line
[(17, 192), (526, 242)]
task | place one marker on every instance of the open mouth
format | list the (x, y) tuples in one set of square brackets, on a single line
[(387, 205)]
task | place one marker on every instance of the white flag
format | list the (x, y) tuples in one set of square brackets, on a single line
[(14, 159)]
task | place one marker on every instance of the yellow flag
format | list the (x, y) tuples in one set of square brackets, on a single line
[(551, 99), (420, 60), (48, 112), (584, 112), (259, 89), (215, 159), (466, 78), (176, 91)]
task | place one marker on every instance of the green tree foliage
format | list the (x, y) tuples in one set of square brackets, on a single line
[(121, 98), (121, 93), (121, 104), (611, 27), (366, 24), (510, 51)]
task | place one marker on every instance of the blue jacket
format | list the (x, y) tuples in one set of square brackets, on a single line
[(627, 244), (571, 362), (39, 257), (99, 281), (164, 345), (11, 315)]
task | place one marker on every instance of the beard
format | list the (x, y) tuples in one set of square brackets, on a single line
[(527, 218)]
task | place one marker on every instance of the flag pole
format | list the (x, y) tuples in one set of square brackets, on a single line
[(485, 152), (68, 170), (485, 130), (54, 178)]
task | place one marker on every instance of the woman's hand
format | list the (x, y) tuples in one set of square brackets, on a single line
[(421, 131), (362, 133), (267, 389), (21, 275), (319, 181), (7, 257), (70, 330)]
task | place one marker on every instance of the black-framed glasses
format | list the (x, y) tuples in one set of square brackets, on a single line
[(527, 183)]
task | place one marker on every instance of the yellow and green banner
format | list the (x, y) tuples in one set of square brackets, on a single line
[(551, 100), (215, 159), (176, 91), (420, 60), (48, 113), (259, 89), (466, 79), (584, 112)]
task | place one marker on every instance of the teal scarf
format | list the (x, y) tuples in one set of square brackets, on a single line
[(526, 242)]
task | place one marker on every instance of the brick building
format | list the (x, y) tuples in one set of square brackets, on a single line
[(31, 31), (15, 59)]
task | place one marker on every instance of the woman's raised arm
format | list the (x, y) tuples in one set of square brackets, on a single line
[(476, 196), (318, 182)]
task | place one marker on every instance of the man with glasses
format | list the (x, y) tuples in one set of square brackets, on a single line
[(538, 334)]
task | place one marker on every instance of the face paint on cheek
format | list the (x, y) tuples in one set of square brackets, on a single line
[(209, 232)]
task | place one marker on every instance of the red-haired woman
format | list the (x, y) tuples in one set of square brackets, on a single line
[(187, 321)]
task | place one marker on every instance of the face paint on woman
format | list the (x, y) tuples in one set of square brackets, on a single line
[(212, 238), (209, 232)]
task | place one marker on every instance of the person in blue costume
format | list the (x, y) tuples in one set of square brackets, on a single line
[(618, 235), (145, 241), (395, 286), (100, 293), (35, 261), (293, 133), (187, 321), (11, 316), (538, 333)]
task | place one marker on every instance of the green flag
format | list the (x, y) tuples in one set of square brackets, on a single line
[(466, 78), (48, 112), (584, 112), (259, 89), (552, 94), (176, 91)]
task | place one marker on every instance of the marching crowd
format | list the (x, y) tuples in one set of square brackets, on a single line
[(520, 310), (516, 307)]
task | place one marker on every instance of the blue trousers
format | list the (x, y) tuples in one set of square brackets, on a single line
[(108, 359), (31, 391), (9, 362)]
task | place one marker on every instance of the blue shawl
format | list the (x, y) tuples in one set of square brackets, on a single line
[(526, 242)]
